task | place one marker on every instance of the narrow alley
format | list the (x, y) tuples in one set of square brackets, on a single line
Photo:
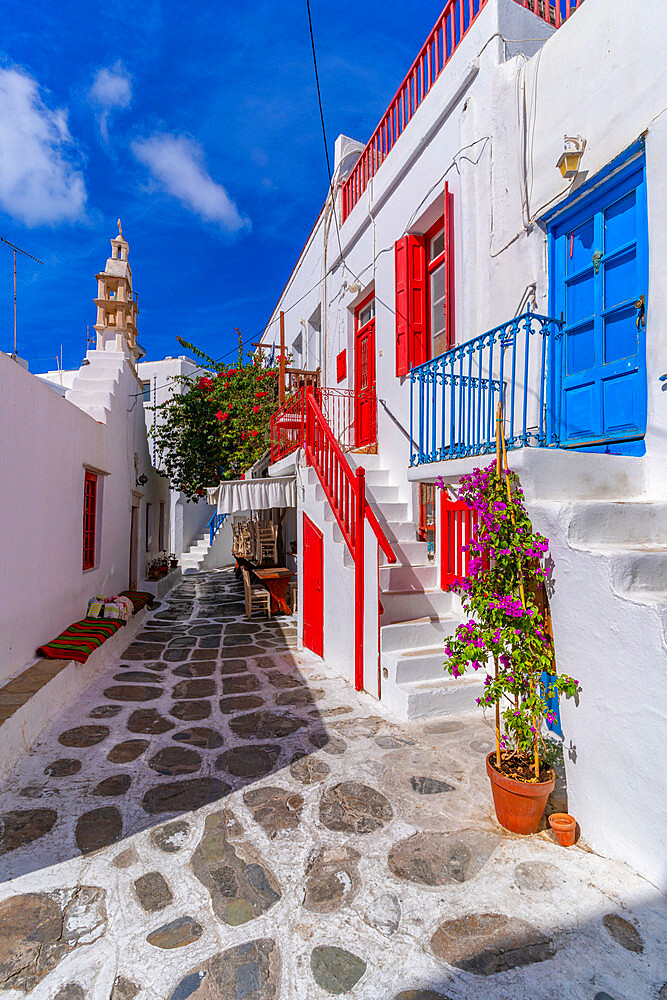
[(218, 816)]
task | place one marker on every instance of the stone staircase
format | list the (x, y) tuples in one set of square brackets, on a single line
[(192, 560), (417, 615)]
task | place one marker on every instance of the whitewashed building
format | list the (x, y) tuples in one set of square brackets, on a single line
[(82, 510), (502, 235)]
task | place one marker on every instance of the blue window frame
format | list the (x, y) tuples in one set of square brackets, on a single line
[(598, 255)]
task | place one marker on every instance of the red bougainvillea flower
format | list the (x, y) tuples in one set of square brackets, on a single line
[(200, 492), (243, 436), (219, 415), (255, 409), (226, 385), (259, 395), (205, 383), (254, 433), (224, 416)]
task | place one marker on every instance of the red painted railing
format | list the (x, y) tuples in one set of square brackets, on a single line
[(345, 491), (450, 29), (288, 424)]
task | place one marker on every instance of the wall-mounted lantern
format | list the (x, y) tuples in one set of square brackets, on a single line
[(573, 150)]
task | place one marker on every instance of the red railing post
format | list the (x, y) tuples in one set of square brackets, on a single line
[(360, 519)]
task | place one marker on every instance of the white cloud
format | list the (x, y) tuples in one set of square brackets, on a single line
[(39, 183), (112, 88), (177, 165)]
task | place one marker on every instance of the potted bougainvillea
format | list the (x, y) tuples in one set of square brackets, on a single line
[(218, 424), (507, 638)]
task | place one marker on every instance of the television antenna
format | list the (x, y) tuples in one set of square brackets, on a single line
[(16, 250)]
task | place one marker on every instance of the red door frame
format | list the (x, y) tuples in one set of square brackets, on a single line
[(313, 587), (364, 378)]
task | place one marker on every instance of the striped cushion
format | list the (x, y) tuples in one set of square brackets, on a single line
[(139, 598), (79, 640)]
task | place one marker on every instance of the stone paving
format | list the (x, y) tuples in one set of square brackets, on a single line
[(220, 817)]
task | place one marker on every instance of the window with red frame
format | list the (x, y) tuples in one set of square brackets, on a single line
[(424, 293), (89, 519)]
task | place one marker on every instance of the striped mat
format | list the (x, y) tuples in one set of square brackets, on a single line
[(79, 640)]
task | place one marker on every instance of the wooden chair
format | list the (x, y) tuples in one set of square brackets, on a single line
[(254, 595), (292, 591)]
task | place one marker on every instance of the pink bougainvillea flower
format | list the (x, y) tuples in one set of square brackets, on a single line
[(205, 383), (219, 415)]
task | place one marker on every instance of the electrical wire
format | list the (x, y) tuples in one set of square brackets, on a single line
[(324, 131)]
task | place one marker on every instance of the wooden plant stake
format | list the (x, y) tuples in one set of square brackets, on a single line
[(499, 417), (500, 434)]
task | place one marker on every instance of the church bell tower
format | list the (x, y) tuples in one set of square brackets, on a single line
[(117, 309)]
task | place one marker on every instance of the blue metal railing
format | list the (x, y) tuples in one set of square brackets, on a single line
[(453, 398), (215, 524)]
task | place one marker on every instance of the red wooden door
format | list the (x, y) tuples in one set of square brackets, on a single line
[(313, 588), (364, 376)]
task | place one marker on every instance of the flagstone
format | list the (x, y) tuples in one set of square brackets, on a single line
[(153, 892), (274, 809), (239, 881), (84, 736), (176, 934), (98, 828), (488, 943), (250, 971), (354, 808)]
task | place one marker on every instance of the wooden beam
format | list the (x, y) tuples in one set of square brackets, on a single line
[(281, 383)]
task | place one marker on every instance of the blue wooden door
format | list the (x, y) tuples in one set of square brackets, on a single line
[(599, 263)]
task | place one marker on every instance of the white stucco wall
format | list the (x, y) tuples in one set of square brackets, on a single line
[(492, 128), (47, 442)]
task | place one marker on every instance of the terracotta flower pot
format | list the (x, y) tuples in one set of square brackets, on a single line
[(519, 804), (565, 827)]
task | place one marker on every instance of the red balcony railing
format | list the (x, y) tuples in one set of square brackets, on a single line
[(450, 29), (288, 423)]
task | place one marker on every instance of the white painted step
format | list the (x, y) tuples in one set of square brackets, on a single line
[(402, 578), (379, 495), (424, 699), (402, 606), (422, 664), (642, 569), (418, 633), (626, 525)]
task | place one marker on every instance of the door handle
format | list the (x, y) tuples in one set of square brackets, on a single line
[(640, 306)]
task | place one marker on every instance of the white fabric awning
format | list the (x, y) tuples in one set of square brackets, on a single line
[(253, 494)]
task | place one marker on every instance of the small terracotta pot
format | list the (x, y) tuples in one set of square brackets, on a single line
[(565, 827), (519, 804)]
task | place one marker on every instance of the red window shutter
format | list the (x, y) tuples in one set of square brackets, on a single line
[(449, 246), (89, 515), (341, 366), (419, 346), (402, 318), (411, 327)]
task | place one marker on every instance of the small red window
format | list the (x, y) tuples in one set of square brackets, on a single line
[(89, 516), (341, 366)]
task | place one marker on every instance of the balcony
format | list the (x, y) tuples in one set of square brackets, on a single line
[(339, 408), (454, 397), (447, 34)]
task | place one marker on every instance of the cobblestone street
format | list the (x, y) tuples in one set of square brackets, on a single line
[(220, 817)]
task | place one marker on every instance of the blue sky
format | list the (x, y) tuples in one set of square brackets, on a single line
[(198, 125)]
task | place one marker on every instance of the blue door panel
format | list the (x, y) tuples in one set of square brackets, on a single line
[(599, 271), (582, 411), (621, 336), (579, 349), (620, 398)]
